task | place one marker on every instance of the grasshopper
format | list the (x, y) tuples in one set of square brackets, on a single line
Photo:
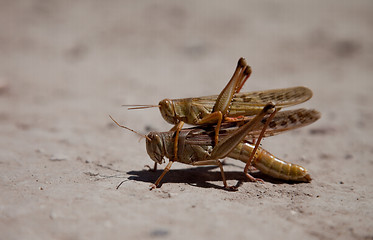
[(228, 106), (195, 145)]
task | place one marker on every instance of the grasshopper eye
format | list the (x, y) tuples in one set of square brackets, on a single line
[(166, 107)]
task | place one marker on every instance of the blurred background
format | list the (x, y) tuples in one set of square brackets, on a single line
[(66, 65), (127, 49), (89, 53)]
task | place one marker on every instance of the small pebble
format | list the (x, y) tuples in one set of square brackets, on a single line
[(58, 157)]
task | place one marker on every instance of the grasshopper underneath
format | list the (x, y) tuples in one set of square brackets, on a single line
[(228, 106), (196, 144)]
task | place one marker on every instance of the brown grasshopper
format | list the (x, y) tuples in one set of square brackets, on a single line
[(228, 106), (195, 145)]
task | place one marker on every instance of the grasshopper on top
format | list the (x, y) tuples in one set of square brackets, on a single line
[(229, 106)]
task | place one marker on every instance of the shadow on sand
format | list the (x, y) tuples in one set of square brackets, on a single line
[(199, 177)]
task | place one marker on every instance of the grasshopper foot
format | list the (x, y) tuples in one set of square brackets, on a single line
[(252, 179), (152, 186), (231, 188), (150, 169), (258, 180)]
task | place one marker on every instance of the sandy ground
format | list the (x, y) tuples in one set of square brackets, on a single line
[(66, 65)]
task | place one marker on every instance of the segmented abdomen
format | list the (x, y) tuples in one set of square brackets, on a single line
[(269, 164)]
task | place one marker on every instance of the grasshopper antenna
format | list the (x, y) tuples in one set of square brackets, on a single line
[(129, 129), (139, 106)]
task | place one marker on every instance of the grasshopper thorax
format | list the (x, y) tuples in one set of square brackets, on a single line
[(166, 106), (155, 148)]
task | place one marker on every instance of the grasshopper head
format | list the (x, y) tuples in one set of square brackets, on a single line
[(154, 147), (166, 106)]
